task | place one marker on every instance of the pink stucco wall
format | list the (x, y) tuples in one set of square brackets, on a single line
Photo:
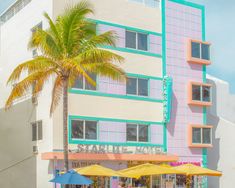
[(182, 23)]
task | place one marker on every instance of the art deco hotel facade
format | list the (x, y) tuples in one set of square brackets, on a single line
[(158, 115)]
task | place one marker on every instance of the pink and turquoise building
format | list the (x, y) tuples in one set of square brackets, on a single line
[(158, 115)]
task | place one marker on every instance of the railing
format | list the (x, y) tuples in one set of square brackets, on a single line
[(13, 10)]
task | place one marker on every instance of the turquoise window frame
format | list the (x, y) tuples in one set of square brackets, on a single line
[(92, 140), (126, 96), (148, 87), (133, 29), (149, 133), (148, 41), (71, 141)]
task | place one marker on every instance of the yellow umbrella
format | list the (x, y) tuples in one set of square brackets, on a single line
[(97, 170), (148, 170), (193, 170), (165, 165)]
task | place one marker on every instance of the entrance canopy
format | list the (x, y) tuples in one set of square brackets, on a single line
[(111, 157)]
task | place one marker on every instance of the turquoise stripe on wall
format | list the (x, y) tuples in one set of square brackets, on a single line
[(164, 64), (126, 27), (74, 141), (130, 97)]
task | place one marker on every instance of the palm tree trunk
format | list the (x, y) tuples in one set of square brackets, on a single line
[(65, 124)]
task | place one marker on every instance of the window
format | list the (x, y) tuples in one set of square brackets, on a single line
[(200, 94), (36, 130), (137, 41), (149, 3), (38, 26), (137, 86), (199, 52), (86, 130), (201, 135), (14, 9), (82, 83), (137, 133)]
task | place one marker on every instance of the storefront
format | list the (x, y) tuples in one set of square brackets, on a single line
[(114, 157)]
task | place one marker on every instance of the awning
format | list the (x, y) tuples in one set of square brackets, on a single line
[(110, 157)]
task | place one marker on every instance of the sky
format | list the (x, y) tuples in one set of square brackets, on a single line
[(220, 31)]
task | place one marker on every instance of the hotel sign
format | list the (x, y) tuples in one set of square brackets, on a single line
[(99, 149)]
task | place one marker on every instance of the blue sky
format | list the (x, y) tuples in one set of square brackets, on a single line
[(220, 29)]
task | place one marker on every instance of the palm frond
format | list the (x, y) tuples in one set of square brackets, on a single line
[(40, 63), (46, 43), (72, 21), (108, 38), (98, 55), (55, 30), (56, 93), (21, 88)]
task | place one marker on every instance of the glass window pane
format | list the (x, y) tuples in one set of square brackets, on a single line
[(131, 132), (152, 3), (196, 92), (34, 131), (206, 93), (89, 86), (143, 133), (79, 83), (143, 87), (196, 135), (142, 41), (39, 130), (138, 1), (131, 85), (130, 39), (205, 51), (206, 136), (91, 130), (77, 129), (195, 50)]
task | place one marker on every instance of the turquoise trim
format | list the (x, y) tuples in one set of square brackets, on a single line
[(143, 76), (163, 8), (187, 3), (130, 97), (165, 137), (129, 50), (126, 27), (97, 142), (163, 38), (114, 120), (112, 143)]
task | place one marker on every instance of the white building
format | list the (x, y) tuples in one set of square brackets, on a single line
[(222, 115)]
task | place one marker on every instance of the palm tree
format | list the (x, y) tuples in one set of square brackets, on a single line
[(69, 48)]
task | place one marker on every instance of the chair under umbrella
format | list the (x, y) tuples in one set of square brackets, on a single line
[(71, 178)]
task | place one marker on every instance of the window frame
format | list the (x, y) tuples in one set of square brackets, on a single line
[(136, 40), (84, 130), (137, 134), (36, 123), (137, 86), (201, 144), (199, 102), (196, 60), (145, 4)]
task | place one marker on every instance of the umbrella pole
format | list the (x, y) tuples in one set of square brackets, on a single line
[(188, 181)]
